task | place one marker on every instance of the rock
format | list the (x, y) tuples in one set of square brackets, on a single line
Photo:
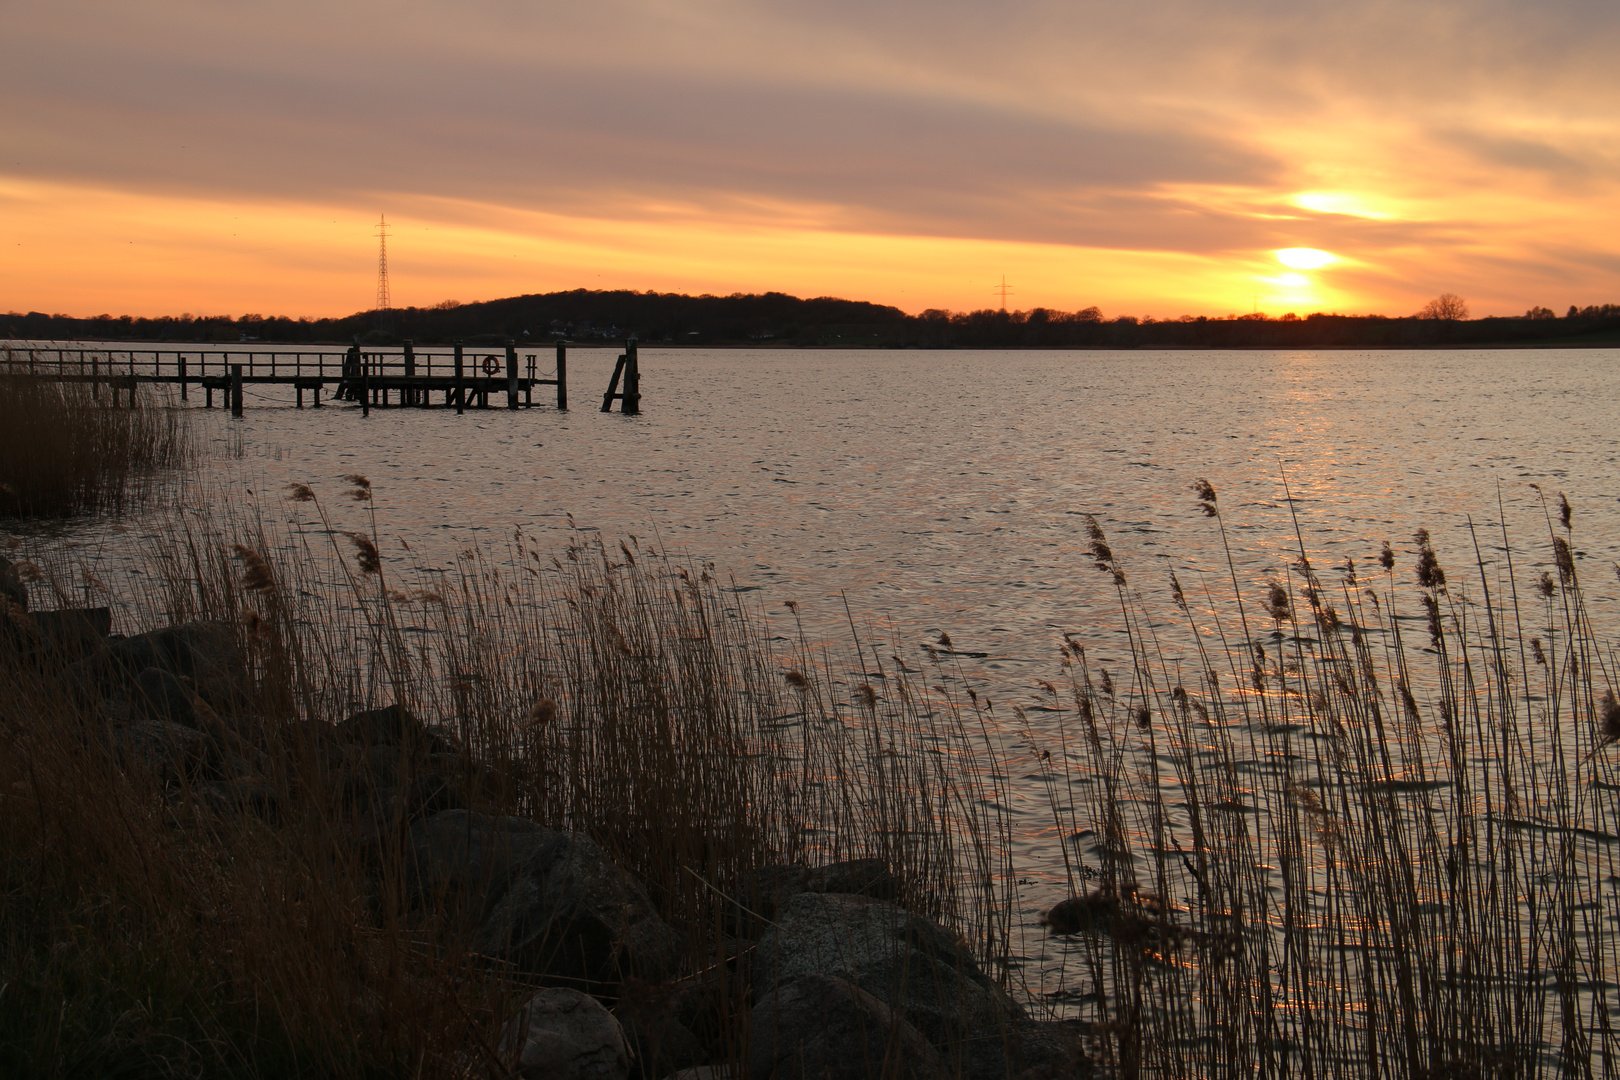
[(160, 695), (707, 1072), (913, 965), (462, 858), (1042, 1047), (819, 1027), (571, 912), (396, 726), (1095, 910), (244, 796), (565, 1035), (19, 631), (660, 1044), (170, 751), (207, 653), (431, 793), (70, 634), (762, 891), (862, 877), (705, 1009), (11, 584)]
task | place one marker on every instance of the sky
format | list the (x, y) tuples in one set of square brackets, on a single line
[(1153, 159)]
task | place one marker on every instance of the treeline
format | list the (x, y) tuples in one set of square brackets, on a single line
[(771, 319)]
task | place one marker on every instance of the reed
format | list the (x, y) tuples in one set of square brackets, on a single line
[(616, 691), (1346, 825), (66, 448), (1357, 822)]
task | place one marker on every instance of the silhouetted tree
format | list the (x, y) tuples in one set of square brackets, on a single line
[(1447, 307)]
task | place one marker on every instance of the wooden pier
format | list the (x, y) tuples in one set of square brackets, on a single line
[(460, 378)]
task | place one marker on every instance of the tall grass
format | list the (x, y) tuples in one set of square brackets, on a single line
[(66, 448), (612, 690), (1357, 824)]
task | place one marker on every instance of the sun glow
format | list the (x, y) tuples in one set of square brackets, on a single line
[(1305, 258), (1333, 202)]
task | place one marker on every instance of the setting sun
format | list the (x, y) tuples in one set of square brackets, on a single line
[(1305, 258)]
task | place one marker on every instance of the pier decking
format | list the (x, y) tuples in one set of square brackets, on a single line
[(460, 378)]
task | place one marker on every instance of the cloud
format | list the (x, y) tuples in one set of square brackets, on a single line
[(1173, 127)]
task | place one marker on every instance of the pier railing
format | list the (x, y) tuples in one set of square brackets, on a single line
[(466, 377)]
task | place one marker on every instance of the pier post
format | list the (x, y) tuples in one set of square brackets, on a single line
[(365, 386), (458, 392), (613, 385), (631, 402), (408, 396), (562, 376), (236, 390), (95, 377), (180, 362), (511, 374)]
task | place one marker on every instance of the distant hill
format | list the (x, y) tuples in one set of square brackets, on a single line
[(776, 319)]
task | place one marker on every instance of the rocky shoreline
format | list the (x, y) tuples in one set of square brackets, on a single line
[(843, 983)]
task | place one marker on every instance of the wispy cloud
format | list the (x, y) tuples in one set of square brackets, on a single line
[(1173, 128)]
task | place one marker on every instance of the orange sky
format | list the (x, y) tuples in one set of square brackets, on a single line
[(192, 156)]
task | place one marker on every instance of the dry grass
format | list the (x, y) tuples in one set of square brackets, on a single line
[(66, 449), (1358, 828), (611, 690)]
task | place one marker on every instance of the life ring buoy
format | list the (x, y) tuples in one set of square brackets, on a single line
[(491, 366)]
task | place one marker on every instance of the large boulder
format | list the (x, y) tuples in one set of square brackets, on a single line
[(766, 888), (168, 750), (160, 695), (761, 891), (571, 912), (463, 861), (70, 634), (11, 584), (660, 1044), (205, 653), (395, 726), (911, 964), (819, 1027), (563, 1034), (1027, 1048), (863, 877)]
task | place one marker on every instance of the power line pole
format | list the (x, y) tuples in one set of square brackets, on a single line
[(384, 301), (1003, 289)]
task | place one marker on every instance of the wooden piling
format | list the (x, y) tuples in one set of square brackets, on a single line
[(631, 402), (562, 376), (180, 362), (613, 385), (236, 390), (365, 387), (458, 393), (511, 374), (408, 397)]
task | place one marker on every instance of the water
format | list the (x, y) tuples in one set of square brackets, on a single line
[(946, 492)]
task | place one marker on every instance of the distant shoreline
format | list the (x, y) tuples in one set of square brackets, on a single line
[(604, 319)]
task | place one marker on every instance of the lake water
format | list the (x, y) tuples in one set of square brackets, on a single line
[(945, 491)]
